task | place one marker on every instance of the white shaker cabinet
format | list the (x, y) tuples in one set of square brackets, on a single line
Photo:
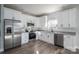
[(17, 15), (11, 13), (72, 18), (47, 37), (65, 18), (8, 13), (24, 38), (60, 19), (69, 18), (70, 42), (43, 36), (38, 35), (50, 38)]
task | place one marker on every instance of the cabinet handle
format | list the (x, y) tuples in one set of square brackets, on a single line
[(48, 36), (61, 25), (69, 25)]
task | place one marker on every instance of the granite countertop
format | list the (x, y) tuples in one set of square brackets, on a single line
[(61, 32), (65, 33)]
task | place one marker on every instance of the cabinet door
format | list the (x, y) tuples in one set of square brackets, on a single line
[(8, 13), (45, 37), (51, 38), (60, 19), (24, 38), (65, 18), (69, 42), (41, 36), (17, 15), (72, 18)]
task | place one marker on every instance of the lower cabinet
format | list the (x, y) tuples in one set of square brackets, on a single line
[(50, 38), (47, 37), (24, 38), (70, 42), (38, 35)]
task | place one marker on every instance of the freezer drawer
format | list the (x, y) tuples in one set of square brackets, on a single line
[(8, 42)]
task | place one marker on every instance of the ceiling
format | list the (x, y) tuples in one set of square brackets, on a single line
[(38, 9)]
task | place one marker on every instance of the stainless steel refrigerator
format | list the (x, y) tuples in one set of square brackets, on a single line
[(12, 38)]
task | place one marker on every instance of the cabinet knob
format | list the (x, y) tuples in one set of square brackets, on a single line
[(61, 25), (69, 25)]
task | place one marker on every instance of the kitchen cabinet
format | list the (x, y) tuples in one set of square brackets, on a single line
[(38, 35), (50, 38), (63, 19), (42, 36), (17, 15), (60, 19), (47, 37), (70, 42), (65, 15), (66, 18), (37, 22), (24, 21), (42, 21), (24, 38), (10, 14), (72, 18)]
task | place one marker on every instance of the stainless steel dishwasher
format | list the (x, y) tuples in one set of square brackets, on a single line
[(59, 40)]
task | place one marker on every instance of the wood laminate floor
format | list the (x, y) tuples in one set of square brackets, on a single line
[(36, 47)]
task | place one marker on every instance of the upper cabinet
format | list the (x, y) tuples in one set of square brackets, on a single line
[(59, 17), (42, 21), (66, 18), (10, 14), (17, 15), (72, 17)]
